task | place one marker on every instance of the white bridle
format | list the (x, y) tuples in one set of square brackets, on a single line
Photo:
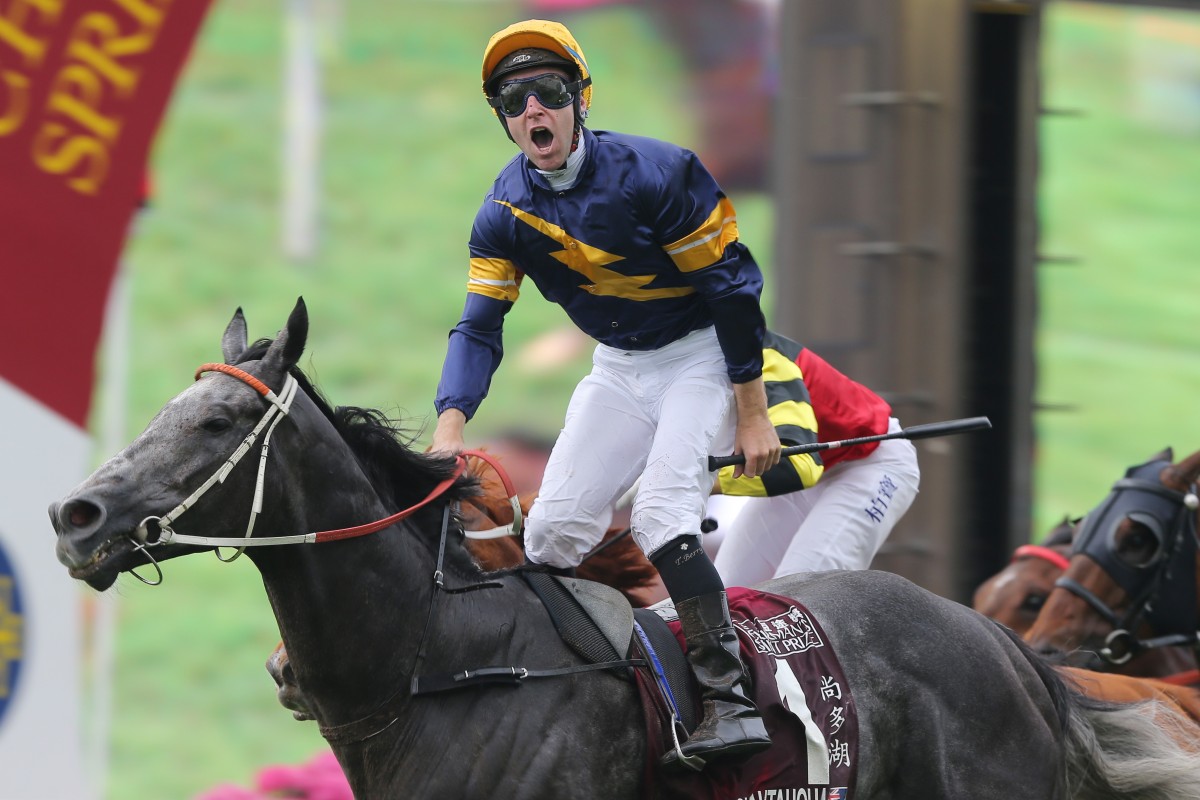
[(279, 407)]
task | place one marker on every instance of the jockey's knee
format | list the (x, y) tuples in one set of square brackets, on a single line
[(560, 543), (654, 527)]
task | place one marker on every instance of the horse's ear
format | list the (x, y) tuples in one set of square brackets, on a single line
[(1166, 454), (1187, 471), (285, 351), (233, 343)]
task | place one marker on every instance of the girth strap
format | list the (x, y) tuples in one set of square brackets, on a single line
[(577, 629), (511, 676)]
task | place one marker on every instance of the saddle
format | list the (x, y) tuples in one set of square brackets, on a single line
[(597, 622), (799, 687)]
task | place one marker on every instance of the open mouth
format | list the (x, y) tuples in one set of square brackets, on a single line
[(542, 138)]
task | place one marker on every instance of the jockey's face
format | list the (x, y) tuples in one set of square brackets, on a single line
[(543, 134)]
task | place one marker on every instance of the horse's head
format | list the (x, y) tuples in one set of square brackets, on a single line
[(107, 524), (1014, 596), (1133, 570)]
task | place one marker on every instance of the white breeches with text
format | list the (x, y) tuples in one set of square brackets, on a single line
[(840, 523)]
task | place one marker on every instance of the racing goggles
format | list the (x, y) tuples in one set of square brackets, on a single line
[(551, 90)]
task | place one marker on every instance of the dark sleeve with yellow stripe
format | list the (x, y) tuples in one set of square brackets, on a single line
[(790, 409)]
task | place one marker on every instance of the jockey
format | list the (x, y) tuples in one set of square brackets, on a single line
[(639, 245), (813, 511)]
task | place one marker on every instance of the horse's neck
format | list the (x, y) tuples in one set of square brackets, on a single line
[(353, 614), (336, 602), (329, 595)]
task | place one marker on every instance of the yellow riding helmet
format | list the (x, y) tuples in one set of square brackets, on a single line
[(535, 33)]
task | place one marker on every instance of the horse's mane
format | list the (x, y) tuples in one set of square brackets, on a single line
[(382, 446)]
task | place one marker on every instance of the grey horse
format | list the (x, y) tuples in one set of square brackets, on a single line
[(370, 587)]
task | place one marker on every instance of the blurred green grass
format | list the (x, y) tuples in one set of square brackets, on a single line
[(1118, 342), (409, 150)]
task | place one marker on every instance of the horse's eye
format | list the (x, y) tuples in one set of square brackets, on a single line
[(1137, 545), (217, 425), (1033, 602)]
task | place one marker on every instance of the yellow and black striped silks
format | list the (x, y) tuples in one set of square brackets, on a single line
[(790, 409)]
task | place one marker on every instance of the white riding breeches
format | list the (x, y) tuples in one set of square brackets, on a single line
[(657, 415), (839, 523)]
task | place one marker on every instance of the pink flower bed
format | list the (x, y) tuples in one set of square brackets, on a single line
[(319, 778)]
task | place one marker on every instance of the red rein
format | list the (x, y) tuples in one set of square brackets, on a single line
[(371, 527)]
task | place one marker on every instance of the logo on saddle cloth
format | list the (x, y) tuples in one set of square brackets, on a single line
[(11, 633), (783, 635), (805, 700)]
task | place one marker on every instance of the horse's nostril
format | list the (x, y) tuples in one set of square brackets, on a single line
[(80, 514)]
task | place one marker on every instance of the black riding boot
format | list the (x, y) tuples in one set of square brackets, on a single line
[(732, 726)]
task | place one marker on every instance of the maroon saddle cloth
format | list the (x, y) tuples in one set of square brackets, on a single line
[(802, 694)]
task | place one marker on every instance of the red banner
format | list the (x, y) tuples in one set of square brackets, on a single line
[(83, 85)]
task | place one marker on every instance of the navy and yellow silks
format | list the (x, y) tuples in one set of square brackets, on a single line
[(642, 251)]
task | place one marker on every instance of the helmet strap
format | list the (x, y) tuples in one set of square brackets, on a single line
[(580, 115), (504, 124)]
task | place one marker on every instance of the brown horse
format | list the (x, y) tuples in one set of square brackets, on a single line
[(1014, 596), (1128, 689), (1128, 599)]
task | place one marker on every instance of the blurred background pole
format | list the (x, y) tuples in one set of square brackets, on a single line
[(302, 130), (102, 649)]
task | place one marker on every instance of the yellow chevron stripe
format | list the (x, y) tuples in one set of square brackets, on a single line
[(805, 467), (589, 261)]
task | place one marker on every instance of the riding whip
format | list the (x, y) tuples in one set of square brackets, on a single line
[(914, 432)]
